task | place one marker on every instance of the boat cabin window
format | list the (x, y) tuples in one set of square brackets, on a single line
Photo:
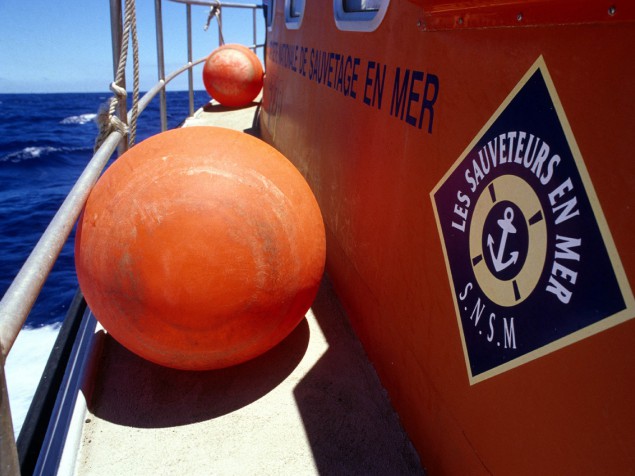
[(293, 13), (269, 7), (362, 5), (359, 15)]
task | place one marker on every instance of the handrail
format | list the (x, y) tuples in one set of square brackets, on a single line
[(216, 3), (25, 288), (21, 295)]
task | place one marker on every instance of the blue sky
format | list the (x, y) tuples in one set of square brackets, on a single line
[(65, 46)]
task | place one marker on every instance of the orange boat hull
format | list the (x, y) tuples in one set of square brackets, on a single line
[(381, 123)]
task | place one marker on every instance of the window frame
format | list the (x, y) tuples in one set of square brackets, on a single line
[(271, 14), (293, 22), (358, 21)]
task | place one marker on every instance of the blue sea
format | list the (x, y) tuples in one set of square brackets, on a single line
[(46, 140)]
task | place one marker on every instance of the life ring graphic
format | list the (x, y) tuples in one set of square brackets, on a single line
[(508, 240)]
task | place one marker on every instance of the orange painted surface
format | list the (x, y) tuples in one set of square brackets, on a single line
[(233, 75), (462, 14), (200, 248), (372, 169)]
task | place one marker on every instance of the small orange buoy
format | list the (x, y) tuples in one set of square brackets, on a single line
[(200, 248), (233, 75)]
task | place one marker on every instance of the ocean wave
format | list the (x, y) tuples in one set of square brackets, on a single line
[(81, 119), (28, 153), (38, 152), (32, 152)]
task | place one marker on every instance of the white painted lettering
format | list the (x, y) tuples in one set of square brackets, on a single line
[(509, 336), (466, 290), (477, 312), (490, 335), (556, 288), (564, 245), (565, 210)]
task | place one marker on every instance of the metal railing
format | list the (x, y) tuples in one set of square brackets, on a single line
[(21, 295)]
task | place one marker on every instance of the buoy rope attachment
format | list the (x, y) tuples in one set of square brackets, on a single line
[(107, 120), (214, 11)]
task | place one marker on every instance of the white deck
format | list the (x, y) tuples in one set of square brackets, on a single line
[(312, 405), (213, 114)]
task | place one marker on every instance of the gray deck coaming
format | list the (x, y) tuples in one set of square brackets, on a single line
[(311, 405)]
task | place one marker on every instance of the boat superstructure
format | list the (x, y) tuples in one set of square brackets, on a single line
[(312, 405), (472, 162)]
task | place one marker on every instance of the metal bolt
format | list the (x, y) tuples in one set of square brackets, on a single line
[(612, 10), (460, 20), (519, 17)]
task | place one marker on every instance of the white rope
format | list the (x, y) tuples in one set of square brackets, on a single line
[(135, 70), (214, 11), (107, 120)]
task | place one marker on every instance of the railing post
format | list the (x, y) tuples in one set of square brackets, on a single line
[(221, 38), (160, 62), (190, 77), (253, 11), (9, 464), (116, 35)]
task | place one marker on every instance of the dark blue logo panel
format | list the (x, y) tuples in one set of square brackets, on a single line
[(531, 263)]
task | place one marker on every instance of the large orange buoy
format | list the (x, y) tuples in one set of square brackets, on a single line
[(233, 75), (200, 248)]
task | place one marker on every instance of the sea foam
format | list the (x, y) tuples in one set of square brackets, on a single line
[(81, 119), (27, 153), (24, 368)]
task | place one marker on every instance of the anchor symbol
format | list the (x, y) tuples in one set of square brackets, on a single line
[(508, 228)]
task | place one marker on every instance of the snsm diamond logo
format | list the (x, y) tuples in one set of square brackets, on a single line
[(530, 258)]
